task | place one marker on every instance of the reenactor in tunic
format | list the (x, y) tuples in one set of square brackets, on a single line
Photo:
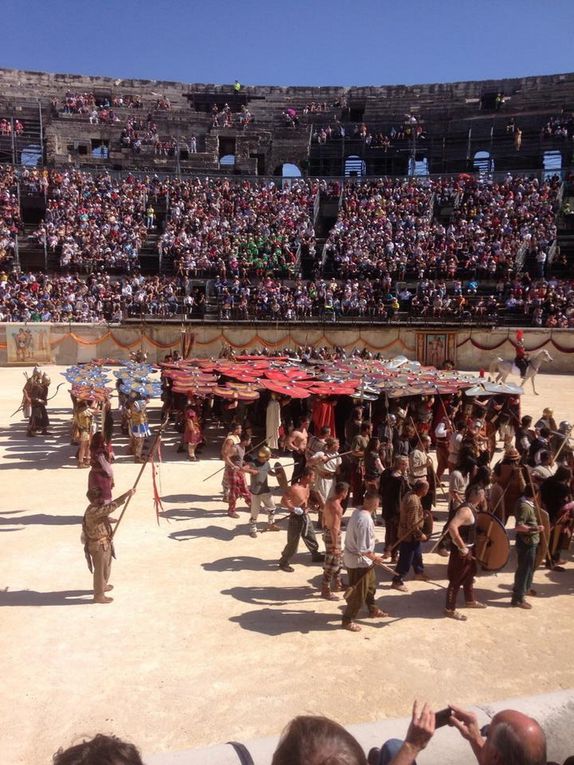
[(139, 428), (97, 540)]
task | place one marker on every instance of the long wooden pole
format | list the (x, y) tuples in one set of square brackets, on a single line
[(223, 468), (407, 534), (436, 481), (139, 475), (538, 513)]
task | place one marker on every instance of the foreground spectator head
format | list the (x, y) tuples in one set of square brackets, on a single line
[(514, 739), (101, 750), (317, 741)]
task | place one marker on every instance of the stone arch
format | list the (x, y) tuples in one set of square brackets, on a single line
[(355, 166), (483, 162), (552, 162), (31, 155), (228, 160)]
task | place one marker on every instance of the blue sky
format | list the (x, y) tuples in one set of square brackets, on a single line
[(294, 42)]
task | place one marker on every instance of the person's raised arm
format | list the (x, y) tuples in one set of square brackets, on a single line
[(419, 733), (467, 725)]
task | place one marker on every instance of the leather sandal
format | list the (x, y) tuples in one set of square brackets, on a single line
[(455, 615), (351, 626), (376, 612)]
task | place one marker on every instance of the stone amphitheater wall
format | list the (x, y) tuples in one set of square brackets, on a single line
[(474, 349)]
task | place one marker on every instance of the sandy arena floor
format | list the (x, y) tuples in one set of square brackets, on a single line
[(207, 640)]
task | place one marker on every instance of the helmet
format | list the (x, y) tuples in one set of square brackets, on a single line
[(548, 412), (401, 413), (565, 427), (264, 453), (391, 419)]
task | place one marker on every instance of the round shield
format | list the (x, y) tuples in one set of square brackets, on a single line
[(492, 548), (281, 476)]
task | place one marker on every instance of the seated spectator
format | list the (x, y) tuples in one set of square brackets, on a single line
[(101, 750), (317, 741), (511, 738)]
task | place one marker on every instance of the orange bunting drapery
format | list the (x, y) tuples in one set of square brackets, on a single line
[(110, 336)]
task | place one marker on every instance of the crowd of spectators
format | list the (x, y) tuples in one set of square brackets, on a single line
[(10, 222), (559, 127), (9, 126), (94, 221), (542, 303), (510, 737), (95, 299), (370, 298), (85, 103), (388, 225), (249, 237), (226, 118), (99, 297), (375, 137), (219, 228)]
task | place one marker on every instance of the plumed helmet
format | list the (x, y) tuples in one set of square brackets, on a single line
[(264, 453)]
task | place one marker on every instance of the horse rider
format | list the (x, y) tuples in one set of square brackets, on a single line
[(522, 358)]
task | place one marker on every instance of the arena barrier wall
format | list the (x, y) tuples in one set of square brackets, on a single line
[(468, 348), (554, 712)]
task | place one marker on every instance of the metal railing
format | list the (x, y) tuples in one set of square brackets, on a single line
[(316, 207), (521, 256)]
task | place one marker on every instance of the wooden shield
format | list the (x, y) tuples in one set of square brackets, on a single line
[(492, 548), (281, 476), (544, 520)]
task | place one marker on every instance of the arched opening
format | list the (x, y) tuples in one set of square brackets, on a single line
[(31, 156), (552, 163), (100, 149), (419, 166), (289, 170), (483, 162), (355, 167), (228, 160)]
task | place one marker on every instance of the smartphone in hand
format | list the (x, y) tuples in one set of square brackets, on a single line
[(442, 717)]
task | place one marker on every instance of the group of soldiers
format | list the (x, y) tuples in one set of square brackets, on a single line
[(395, 472), (385, 469)]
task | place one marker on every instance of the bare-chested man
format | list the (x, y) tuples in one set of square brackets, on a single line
[(296, 501), (297, 444), (332, 514)]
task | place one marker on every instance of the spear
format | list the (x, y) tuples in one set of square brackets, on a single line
[(149, 457), (246, 453)]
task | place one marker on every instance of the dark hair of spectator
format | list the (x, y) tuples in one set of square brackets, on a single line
[(101, 750), (317, 741)]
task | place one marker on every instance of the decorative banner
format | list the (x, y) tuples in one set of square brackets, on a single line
[(434, 348), (28, 344)]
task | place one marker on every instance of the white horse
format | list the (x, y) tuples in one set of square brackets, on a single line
[(503, 367)]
